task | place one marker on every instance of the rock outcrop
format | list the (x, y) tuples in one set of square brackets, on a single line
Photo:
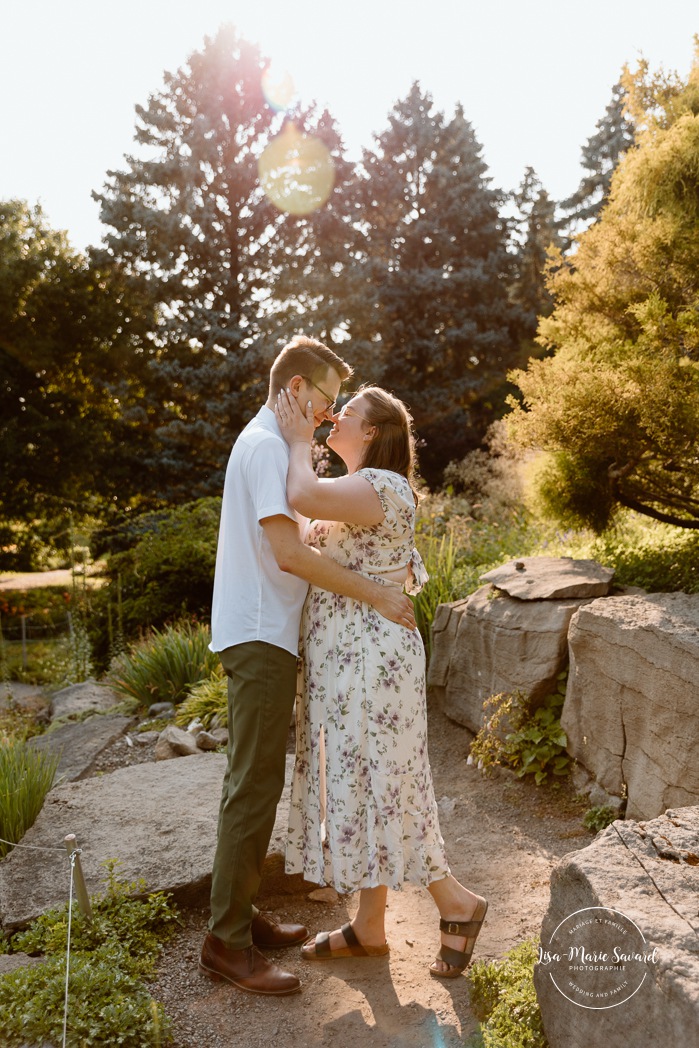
[(493, 643), (631, 712), (649, 874), (87, 697), (551, 578), (79, 743), (158, 819)]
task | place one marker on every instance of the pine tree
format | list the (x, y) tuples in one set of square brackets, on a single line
[(600, 156), (436, 273), (229, 272), (535, 231)]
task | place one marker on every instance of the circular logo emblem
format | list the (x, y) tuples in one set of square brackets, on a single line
[(597, 958)]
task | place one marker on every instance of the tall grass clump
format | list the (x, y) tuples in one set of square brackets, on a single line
[(207, 702), (439, 557), (165, 665), (26, 776)]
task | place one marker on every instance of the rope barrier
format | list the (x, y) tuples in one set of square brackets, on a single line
[(30, 847)]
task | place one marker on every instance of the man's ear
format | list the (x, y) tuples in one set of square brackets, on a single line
[(295, 385)]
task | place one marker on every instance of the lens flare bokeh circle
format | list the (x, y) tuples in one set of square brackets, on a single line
[(296, 171), (278, 87)]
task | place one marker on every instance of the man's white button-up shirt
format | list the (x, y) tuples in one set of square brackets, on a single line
[(253, 599)]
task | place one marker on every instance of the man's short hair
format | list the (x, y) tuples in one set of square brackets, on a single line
[(307, 357)]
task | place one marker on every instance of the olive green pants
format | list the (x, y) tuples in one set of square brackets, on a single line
[(261, 690)]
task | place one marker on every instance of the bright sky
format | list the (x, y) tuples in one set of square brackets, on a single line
[(534, 76)]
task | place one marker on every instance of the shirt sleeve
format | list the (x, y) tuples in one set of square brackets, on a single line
[(265, 473)]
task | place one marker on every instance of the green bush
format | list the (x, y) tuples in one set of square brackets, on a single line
[(207, 702), (160, 569), (26, 776), (529, 740), (599, 817), (110, 955), (106, 1005), (504, 1000), (165, 665)]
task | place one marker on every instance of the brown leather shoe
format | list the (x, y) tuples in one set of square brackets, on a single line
[(268, 931), (247, 969)]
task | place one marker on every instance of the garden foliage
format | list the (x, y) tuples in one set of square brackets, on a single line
[(164, 666), (26, 776), (503, 998), (521, 735), (616, 406), (109, 959)]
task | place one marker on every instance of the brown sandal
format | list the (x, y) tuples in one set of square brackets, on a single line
[(456, 959), (321, 950)]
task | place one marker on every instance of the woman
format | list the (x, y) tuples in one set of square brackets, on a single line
[(363, 813)]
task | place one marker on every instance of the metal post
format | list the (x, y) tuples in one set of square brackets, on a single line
[(71, 844), (23, 621)]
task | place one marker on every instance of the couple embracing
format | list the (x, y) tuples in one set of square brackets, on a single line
[(318, 567)]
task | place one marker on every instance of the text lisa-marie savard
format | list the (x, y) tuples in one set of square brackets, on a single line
[(614, 959)]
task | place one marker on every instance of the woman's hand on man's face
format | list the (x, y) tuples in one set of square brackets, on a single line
[(296, 426)]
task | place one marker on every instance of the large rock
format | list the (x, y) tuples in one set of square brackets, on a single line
[(649, 874), (79, 744), (631, 712), (175, 742), (551, 578), (88, 697), (158, 819), (492, 643)]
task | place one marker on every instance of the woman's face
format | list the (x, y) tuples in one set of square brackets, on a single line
[(351, 431)]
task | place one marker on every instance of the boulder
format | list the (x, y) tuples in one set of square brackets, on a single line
[(551, 578), (10, 962), (649, 874), (492, 643), (175, 742), (27, 698), (79, 743), (631, 711), (88, 697), (206, 741), (161, 710), (145, 738), (158, 819)]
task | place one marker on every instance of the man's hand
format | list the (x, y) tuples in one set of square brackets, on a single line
[(395, 605)]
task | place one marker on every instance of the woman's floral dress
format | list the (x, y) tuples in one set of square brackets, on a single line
[(363, 810)]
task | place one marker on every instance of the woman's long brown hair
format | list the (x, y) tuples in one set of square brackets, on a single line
[(393, 446)]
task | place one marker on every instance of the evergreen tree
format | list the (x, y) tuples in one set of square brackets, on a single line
[(535, 231), (617, 407), (435, 272), (230, 273), (600, 156), (72, 374)]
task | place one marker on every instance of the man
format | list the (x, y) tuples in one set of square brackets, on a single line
[(262, 574)]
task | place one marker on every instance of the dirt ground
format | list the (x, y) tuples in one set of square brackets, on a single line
[(503, 837)]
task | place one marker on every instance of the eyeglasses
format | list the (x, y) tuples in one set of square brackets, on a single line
[(347, 410), (331, 401)]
